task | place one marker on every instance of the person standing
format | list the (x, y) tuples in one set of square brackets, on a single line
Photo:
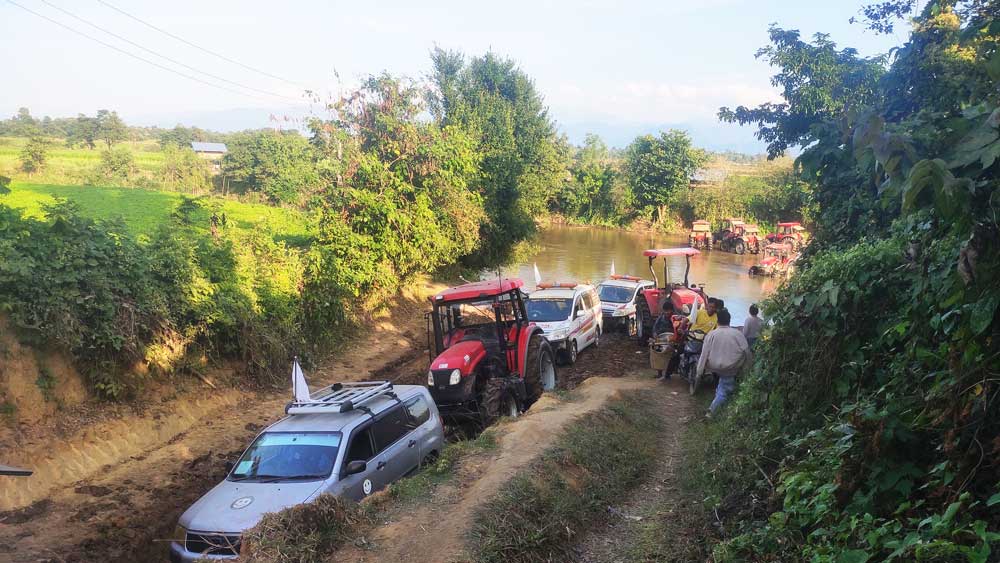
[(725, 353), (752, 326)]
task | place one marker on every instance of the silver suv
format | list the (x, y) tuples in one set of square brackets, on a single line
[(348, 440)]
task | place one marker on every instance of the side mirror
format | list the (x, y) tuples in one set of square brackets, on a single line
[(355, 467), (229, 467)]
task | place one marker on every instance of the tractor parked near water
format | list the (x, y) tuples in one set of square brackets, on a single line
[(701, 235), (649, 301), (779, 260), (741, 238), (792, 234), (487, 359)]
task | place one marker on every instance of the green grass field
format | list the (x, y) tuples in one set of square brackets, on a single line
[(71, 166), (146, 210)]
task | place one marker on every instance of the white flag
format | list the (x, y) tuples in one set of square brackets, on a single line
[(538, 276), (612, 267), (299, 387)]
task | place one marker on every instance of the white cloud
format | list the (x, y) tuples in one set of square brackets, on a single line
[(645, 101)]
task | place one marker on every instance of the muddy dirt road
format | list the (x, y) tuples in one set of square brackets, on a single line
[(113, 492)]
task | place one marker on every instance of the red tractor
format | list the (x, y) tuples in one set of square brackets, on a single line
[(650, 301), (740, 238), (793, 235), (487, 360), (727, 227), (701, 235)]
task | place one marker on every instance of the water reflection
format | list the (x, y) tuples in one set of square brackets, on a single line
[(585, 254)]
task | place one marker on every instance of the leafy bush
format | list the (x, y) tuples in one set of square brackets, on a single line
[(184, 171), (278, 165), (117, 168)]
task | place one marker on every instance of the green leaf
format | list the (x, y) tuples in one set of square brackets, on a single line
[(995, 499), (982, 314), (853, 556)]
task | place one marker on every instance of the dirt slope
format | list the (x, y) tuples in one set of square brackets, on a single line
[(435, 531), (113, 491)]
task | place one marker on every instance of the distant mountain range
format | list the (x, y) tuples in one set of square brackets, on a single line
[(707, 133)]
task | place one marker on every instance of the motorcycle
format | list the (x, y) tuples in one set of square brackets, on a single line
[(690, 355)]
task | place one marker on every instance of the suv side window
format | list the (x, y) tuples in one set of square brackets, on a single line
[(391, 427), (419, 412), (593, 298), (361, 446)]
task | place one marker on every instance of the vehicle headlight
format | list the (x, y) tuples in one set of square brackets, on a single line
[(456, 376), (558, 334), (430, 379), (180, 534), (620, 311)]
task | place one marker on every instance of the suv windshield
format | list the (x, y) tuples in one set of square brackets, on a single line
[(615, 293), (279, 456), (548, 310)]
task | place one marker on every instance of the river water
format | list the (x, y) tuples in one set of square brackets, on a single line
[(585, 254)]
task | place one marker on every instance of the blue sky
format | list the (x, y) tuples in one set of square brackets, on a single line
[(614, 68)]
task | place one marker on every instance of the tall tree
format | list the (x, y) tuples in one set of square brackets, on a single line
[(660, 166), (110, 128), (83, 132), (496, 102)]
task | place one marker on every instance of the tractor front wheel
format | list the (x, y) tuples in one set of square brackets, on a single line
[(539, 369), (740, 247), (497, 401)]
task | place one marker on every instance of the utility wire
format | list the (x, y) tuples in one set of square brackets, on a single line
[(176, 62), (133, 55), (186, 42)]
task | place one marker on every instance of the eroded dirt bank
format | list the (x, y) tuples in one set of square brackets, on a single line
[(113, 490)]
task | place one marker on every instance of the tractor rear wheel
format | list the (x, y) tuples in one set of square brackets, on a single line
[(643, 321), (496, 401), (539, 369)]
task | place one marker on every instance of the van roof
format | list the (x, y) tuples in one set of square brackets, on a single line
[(559, 292), (625, 282), (335, 421)]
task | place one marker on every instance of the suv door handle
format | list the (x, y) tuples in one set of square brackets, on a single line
[(380, 466), (411, 443)]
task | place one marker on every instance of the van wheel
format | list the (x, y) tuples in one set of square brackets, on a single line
[(539, 369), (597, 338), (570, 353)]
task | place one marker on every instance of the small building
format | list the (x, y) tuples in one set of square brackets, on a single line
[(209, 151)]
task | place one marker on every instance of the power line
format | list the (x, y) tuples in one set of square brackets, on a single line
[(176, 62), (186, 42), (133, 55)]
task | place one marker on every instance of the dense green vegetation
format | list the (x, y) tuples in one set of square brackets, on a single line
[(880, 443)]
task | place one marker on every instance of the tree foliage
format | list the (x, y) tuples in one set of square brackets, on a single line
[(184, 171), (522, 158), (881, 440), (659, 167), (818, 82), (34, 155), (278, 165)]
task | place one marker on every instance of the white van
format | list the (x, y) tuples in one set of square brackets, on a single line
[(570, 316)]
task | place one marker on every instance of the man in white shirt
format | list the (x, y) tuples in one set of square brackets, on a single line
[(752, 326), (726, 354)]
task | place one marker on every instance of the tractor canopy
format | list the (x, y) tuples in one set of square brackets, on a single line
[(751, 229), (665, 252), (701, 226), (478, 290)]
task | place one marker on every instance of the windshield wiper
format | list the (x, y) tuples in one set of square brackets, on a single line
[(273, 478), (247, 477)]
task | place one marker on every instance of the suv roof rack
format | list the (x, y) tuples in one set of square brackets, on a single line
[(340, 397)]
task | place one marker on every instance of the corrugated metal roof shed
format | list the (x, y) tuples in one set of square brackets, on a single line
[(209, 147)]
